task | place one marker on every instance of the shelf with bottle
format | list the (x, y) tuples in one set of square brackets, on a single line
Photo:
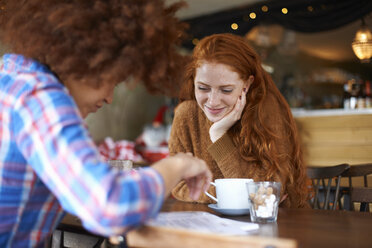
[(321, 95), (357, 94)]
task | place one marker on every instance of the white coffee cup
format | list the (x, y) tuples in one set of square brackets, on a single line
[(231, 193)]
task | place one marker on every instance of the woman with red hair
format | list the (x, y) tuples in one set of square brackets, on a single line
[(233, 116)]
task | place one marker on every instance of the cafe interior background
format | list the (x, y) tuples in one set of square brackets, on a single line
[(306, 46)]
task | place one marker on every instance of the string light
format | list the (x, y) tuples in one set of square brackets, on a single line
[(264, 8), (252, 15), (234, 26), (284, 11), (310, 8)]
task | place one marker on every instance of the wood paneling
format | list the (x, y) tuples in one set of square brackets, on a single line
[(331, 140), (336, 135), (339, 121)]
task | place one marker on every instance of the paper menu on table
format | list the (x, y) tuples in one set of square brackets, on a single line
[(203, 222)]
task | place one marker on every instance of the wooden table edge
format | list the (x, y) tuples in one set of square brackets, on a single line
[(148, 236)]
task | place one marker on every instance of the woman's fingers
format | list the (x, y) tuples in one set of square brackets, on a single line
[(238, 109), (220, 127), (239, 106)]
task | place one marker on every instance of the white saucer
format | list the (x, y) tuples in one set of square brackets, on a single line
[(227, 211)]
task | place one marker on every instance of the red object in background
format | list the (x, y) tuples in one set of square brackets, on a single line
[(153, 154), (159, 118), (128, 150), (123, 149), (152, 144)]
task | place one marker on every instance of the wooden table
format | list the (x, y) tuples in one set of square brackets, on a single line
[(301, 227)]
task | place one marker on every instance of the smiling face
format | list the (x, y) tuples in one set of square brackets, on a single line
[(90, 99), (217, 89)]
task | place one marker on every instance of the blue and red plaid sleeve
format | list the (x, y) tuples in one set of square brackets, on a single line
[(54, 141)]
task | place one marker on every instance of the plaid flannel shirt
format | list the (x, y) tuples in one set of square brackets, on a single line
[(49, 164)]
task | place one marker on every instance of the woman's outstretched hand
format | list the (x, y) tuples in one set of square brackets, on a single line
[(219, 128)]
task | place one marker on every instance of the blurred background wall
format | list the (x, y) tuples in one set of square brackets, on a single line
[(131, 110)]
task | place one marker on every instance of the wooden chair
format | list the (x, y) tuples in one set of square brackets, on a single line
[(362, 195), (76, 236), (70, 233), (357, 170), (326, 195)]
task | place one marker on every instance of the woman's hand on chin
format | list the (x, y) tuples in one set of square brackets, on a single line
[(219, 128)]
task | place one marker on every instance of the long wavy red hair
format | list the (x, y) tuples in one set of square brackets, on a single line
[(251, 133)]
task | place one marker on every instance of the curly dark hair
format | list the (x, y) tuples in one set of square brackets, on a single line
[(99, 40)]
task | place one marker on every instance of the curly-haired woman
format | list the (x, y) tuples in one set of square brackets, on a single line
[(233, 116), (67, 56)]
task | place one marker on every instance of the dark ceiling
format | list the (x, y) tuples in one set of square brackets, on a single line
[(334, 19)]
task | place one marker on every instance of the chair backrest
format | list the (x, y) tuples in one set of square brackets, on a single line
[(357, 170), (326, 195), (362, 195)]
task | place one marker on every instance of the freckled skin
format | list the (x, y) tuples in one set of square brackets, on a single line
[(217, 89)]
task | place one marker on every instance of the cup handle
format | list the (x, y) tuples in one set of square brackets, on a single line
[(209, 195)]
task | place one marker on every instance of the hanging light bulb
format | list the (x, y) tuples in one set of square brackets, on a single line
[(362, 44)]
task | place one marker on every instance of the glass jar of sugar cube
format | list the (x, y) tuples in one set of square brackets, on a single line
[(264, 198)]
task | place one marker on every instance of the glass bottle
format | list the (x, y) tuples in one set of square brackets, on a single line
[(368, 94), (346, 97), (354, 88), (361, 99)]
